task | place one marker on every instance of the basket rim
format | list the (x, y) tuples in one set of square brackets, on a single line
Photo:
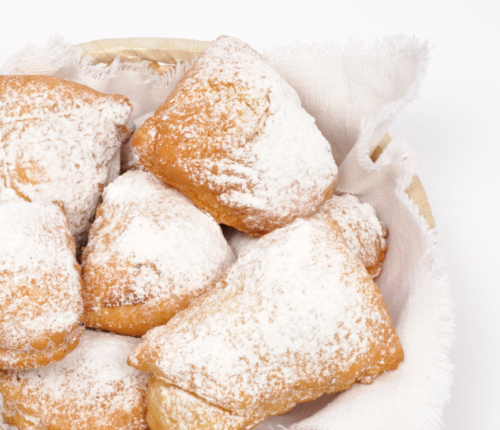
[(164, 53), (168, 51)]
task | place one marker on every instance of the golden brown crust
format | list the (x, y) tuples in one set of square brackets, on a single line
[(150, 253), (134, 320), (375, 269), (62, 141), (40, 355), (171, 408), (233, 138), (67, 89), (92, 389), (361, 228), (297, 316), (40, 299), (234, 217)]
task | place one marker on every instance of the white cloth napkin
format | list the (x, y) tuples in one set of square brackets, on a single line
[(354, 92)]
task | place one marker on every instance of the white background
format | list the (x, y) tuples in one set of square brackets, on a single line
[(454, 126)]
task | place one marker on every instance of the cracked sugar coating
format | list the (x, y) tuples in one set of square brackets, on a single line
[(40, 294), (363, 232), (92, 388), (234, 138), (60, 141), (150, 253), (296, 316)]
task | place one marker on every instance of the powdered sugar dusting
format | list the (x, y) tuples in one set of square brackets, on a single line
[(240, 132), (3, 425), (93, 386), (60, 141), (361, 228), (161, 243), (40, 280), (363, 232), (296, 310)]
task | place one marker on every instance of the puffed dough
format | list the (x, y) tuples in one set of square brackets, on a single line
[(296, 316), (60, 141), (234, 138), (150, 253), (40, 295), (170, 407), (363, 232), (93, 388)]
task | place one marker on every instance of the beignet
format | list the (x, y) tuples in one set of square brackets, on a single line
[(295, 317), (93, 388), (234, 138), (40, 285), (60, 141), (150, 253), (363, 232)]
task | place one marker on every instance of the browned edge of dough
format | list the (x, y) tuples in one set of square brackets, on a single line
[(22, 360)]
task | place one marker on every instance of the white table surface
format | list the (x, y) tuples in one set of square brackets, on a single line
[(454, 126)]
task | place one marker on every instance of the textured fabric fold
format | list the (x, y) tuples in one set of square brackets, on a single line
[(342, 84)]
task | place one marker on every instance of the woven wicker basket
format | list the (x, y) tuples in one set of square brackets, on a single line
[(166, 52)]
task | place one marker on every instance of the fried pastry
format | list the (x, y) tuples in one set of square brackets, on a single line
[(363, 232), (295, 317), (41, 293), (234, 138), (92, 388), (150, 253), (60, 141)]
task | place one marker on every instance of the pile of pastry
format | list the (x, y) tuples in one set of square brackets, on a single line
[(224, 248)]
